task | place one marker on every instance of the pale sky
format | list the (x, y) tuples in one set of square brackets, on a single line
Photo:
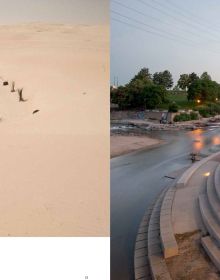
[(57, 11), (187, 37)]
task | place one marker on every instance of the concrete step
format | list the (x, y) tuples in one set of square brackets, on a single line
[(217, 181), (168, 240), (141, 263), (208, 217), (212, 250), (182, 181), (155, 254), (212, 196)]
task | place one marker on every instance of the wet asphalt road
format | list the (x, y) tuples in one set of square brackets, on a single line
[(136, 179)]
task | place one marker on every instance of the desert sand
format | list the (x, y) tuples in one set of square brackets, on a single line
[(54, 167), (121, 144)]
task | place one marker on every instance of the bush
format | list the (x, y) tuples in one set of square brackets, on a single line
[(208, 110), (186, 117), (182, 117), (204, 111), (214, 108), (194, 116), (176, 118), (173, 108)]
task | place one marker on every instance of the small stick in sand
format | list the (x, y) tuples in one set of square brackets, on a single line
[(13, 86), (20, 93)]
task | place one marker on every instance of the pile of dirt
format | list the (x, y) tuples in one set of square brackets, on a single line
[(192, 263)]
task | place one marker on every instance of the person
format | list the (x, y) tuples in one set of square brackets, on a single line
[(193, 157)]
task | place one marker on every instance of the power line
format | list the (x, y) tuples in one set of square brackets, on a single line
[(180, 12), (154, 18), (155, 33), (142, 29), (170, 15), (152, 27), (188, 12)]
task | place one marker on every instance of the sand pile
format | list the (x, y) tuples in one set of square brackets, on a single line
[(54, 163)]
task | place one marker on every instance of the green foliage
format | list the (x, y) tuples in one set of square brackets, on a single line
[(204, 90), (186, 117), (144, 92), (183, 81), (204, 111), (136, 92), (186, 80), (182, 117), (143, 75), (205, 76), (194, 116), (173, 107), (193, 77), (163, 79), (208, 110), (140, 92), (214, 107), (154, 95), (180, 98), (120, 96)]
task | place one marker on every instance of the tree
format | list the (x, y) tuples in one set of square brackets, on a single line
[(120, 96), (193, 77), (143, 74), (204, 90), (154, 95), (173, 108), (183, 81), (136, 92), (205, 76), (136, 87), (163, 79), (140, 92)]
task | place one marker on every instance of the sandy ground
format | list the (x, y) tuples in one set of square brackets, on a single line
[(126, 144), (192, 262), (54, 167)]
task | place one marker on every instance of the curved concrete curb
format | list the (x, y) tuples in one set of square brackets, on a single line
[(168, 241), (189, 172), (155, 254), (141, 263), (212, 250), (217, 181), (212, 194), (209, 206), (148, 256), (208, 218)]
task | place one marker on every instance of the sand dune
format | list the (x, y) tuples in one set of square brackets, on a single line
[(54, 164)]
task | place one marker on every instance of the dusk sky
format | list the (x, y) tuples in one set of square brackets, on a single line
[(181, 36), (61, 11)]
